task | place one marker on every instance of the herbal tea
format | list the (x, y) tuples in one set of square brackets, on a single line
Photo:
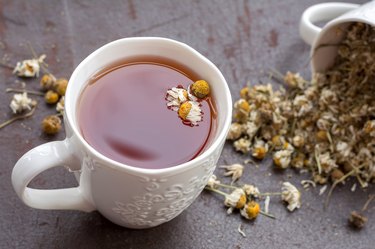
[(130, 113)]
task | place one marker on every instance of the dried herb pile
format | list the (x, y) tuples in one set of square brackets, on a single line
[(326, 125), (53, 90)]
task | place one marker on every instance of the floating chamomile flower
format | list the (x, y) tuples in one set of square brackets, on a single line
[(190, 111), (200, 89), (176, 96)]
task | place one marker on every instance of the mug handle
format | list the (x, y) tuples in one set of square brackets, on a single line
[(36, 161), (318, 13)]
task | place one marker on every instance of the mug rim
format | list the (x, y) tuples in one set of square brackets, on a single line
[(68, 113)]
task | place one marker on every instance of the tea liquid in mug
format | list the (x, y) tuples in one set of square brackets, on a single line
[(123, 115)]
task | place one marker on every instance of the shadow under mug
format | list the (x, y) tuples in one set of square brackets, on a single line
[(126, 195)]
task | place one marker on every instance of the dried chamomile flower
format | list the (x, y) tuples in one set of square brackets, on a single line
[(242, 145), (47, 82), (184, 109), (251, 190), (278, 142), (303, 105), (321, 135), (327, 97), (320, 179), (190, 111), (51, 97), (327, 162), (237, 199), (260, 149), (29, 68), (288, 146), (176, 96), (241, 110), (234, 170), (51, 124), (244, 93), (343, 149), (336, 174), (200, 89), (213, 182), (235, 131), (298, 141), (60, 107), (20, 102), (60, 86), (294, 80), (357, 220), (282, 158), (251, 210), (369, 128), (298, 160), (251, 129), (291, 195)]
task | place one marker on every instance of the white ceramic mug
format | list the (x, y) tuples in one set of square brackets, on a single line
[(341, 15), (126, 195)]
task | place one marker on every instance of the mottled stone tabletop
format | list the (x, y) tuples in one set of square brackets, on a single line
[(245, 39)]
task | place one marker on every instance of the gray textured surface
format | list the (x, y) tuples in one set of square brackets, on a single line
[(244, 39)]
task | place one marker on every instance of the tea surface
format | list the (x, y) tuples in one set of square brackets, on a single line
[(123, 115)]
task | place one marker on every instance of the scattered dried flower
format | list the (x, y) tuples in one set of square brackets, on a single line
[(60, 86), (294, 80), (213, 182), (291, 195), (237, 199), (242, 145), (357, 220), (47, 82), (60, 107), (241, 109), (298, 141), (259, 149), (20, 102), (251, 210), (282, 158), (235, 131), (234, 170), (251, 190), (29, 68), (51, 124), (51, 97)]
